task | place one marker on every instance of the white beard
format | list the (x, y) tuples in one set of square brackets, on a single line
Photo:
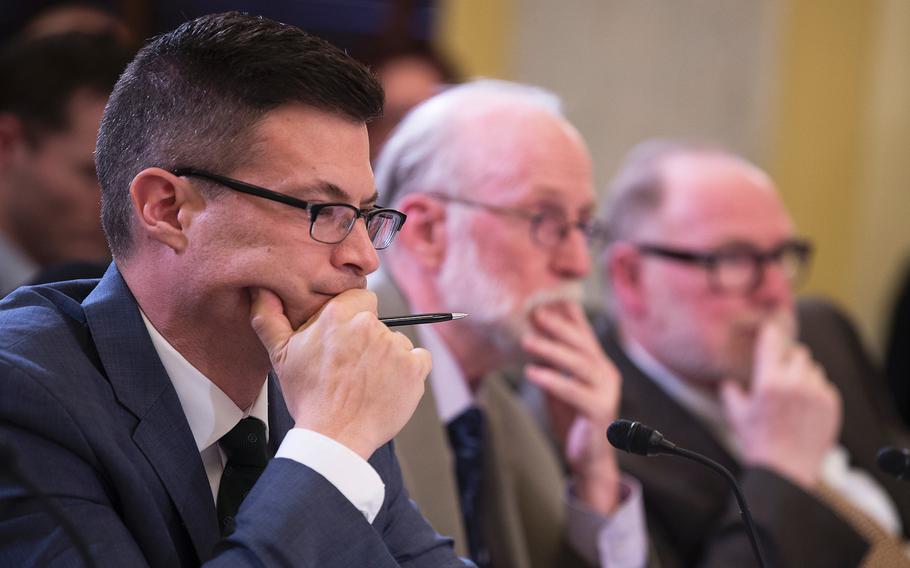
[(496, 313)]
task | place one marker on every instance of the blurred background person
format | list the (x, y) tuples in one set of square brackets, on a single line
[(498, 191), (410, 72), (702, 260), (52, 93), (64, 17)]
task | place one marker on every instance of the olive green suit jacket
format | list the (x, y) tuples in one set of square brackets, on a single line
[(523, 496)]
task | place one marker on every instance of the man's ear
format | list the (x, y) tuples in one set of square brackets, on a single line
[(12, 138), (424, 233), (622, 262), (165, 206)]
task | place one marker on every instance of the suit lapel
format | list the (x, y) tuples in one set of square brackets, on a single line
[(141, 384), (643, 400), (674, 488)]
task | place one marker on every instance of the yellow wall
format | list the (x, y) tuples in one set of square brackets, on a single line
[(478, 35), (882, 246), (834, 151), (817, 149)]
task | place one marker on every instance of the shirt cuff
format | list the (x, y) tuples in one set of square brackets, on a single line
[(353, 476), (618, 540)]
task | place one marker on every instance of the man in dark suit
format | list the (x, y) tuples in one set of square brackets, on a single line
[(145, 404), (701, 260)]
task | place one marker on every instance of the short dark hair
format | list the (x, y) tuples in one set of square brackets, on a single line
[(38, 77), (192, 96)]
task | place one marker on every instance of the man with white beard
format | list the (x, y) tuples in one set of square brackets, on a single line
[(497, 188)]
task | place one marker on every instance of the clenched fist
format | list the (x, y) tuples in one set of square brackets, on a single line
[(343, 373)]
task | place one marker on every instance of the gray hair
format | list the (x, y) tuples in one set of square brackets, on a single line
[(459, 139), (635, 193)]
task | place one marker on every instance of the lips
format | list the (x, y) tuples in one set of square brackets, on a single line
[(340, 290)]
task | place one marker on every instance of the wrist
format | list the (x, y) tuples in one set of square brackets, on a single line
[(358, 444), (598, 486)]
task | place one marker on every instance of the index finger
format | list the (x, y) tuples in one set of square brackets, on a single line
[(771, 349), (351, 302)]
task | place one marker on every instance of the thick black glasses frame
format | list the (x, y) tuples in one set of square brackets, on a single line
[(312, 209), (710, 260)]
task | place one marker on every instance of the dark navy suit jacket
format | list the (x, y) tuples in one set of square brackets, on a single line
[(97, 425)]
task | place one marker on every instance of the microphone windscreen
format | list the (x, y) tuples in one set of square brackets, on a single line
[(618, 434), (892, 461), (629, 436)]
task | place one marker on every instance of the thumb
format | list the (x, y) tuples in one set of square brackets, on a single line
[(733, 398), (268, 320)]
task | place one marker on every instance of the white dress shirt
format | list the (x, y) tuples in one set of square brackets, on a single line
[(853, 484), (615, 541), (211, 414)]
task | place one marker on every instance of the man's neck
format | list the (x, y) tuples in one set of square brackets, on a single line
[(642, 352), (215, 337), (475, 355)]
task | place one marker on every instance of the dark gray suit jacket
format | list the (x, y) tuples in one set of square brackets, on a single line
[(97, 425), (692, 516)]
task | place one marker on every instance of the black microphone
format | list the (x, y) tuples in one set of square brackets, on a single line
[(636, 438), (9, 467), (894, 462)]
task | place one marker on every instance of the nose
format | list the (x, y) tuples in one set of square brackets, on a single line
[(775, 287), (570, 258), (356, 252)]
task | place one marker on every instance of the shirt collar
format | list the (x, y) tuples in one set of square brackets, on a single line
[(706, 408), (209, 411), (450, 388)]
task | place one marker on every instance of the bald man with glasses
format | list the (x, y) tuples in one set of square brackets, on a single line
[(702, 261)]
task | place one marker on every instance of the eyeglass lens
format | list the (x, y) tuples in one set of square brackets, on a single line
[(744, 270), (333, 223)]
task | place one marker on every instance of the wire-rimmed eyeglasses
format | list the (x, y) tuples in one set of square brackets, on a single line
[(330, 223), (549, 227)]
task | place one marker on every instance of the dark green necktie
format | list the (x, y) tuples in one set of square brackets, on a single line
[(247, 455)]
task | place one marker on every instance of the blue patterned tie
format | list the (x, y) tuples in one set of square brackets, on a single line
[(466, 437)]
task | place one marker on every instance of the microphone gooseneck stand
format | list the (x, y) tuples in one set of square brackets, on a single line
[(744, 511), (636, 438)]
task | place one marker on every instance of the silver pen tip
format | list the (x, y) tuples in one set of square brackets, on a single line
[(459, 315)]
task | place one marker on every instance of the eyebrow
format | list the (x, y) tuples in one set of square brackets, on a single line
[(332, 191), (546, 193), (735, 242)]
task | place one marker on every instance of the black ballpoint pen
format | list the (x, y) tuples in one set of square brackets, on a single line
[(416, 319)]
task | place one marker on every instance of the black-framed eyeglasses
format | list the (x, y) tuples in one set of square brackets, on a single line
[(548, 227), (330, 223), (740, 268)]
